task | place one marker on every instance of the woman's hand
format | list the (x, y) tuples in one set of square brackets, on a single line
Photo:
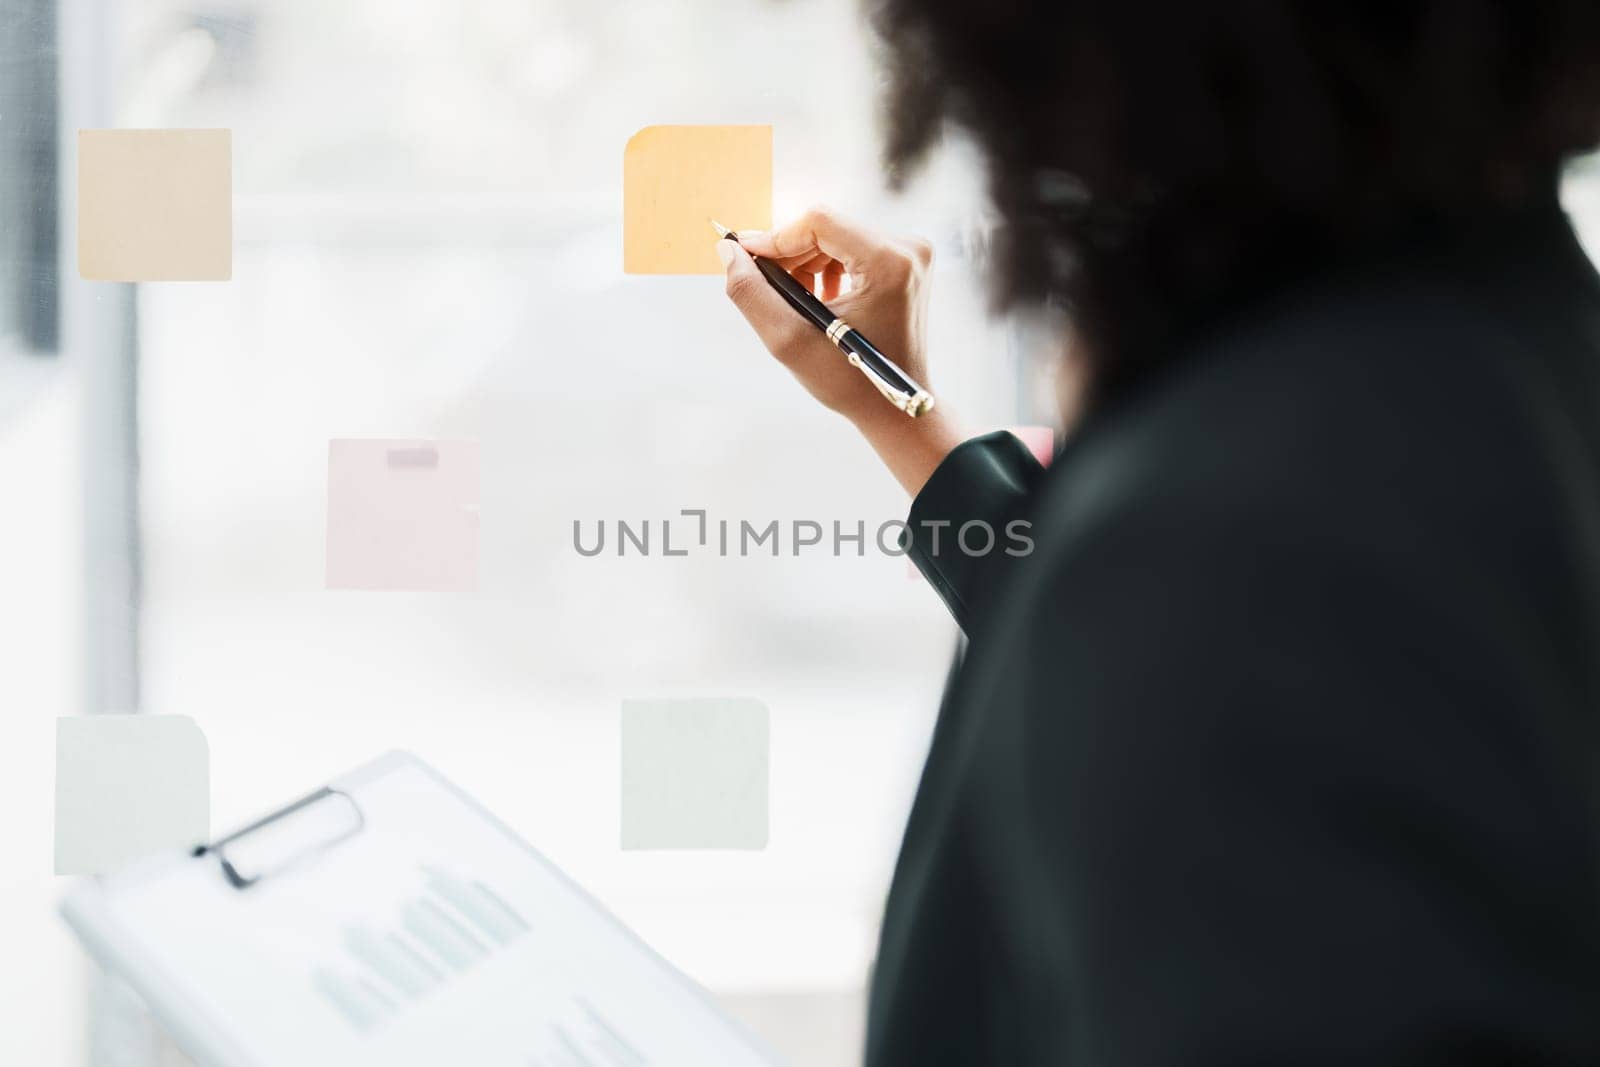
[(886, 301)]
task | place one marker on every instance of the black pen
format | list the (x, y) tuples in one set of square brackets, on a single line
[(896, 386)]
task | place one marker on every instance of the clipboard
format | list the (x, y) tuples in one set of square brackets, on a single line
[(387, 918)]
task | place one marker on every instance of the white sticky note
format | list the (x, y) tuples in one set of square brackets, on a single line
[(694, 774), (403, 515), (127, 787), (155, 205)]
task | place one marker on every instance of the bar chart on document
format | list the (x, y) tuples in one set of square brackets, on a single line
[(446, 929), (449, 927)]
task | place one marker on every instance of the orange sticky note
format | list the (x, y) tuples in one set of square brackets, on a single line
[(155, 205), (675, 179)]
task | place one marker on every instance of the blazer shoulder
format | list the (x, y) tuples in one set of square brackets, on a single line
[(1387, 405)]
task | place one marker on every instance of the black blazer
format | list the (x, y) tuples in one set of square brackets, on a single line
[(1281, 746)]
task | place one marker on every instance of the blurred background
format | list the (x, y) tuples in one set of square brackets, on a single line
[(427, 224)]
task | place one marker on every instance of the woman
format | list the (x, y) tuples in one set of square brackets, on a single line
[(1281, 747)]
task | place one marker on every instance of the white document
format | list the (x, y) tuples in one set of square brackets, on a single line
[(388, 919)]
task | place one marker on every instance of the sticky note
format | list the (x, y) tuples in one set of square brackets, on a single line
[(155, 205), (1041, 441), (402, 515), (127, 787), (694, 774), (676, 178)]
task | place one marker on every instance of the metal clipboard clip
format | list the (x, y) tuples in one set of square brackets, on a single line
[(314, 824)]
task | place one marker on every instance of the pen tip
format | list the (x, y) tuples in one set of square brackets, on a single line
[(722, 231)]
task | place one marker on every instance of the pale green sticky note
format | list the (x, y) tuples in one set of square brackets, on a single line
[(694, 774), (127, 787)]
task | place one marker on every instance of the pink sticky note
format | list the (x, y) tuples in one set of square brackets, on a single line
[(403, 515), (1041, 441)]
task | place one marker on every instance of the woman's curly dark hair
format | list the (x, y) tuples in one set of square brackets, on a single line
[(1155, 161)]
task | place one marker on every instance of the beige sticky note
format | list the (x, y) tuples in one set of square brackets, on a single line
[(155, 205), (694, 774), (403, 515), (128, 786), (675, 178)]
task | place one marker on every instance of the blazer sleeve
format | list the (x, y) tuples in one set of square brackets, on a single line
[(968, 526)]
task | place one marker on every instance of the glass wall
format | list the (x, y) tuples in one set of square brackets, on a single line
[(428, 244)]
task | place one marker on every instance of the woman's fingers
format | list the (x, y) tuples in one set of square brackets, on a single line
[(818, 230), (806, 273), (816, 264), (884, 299), (782, 330), (796, 262), (832, 281)]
